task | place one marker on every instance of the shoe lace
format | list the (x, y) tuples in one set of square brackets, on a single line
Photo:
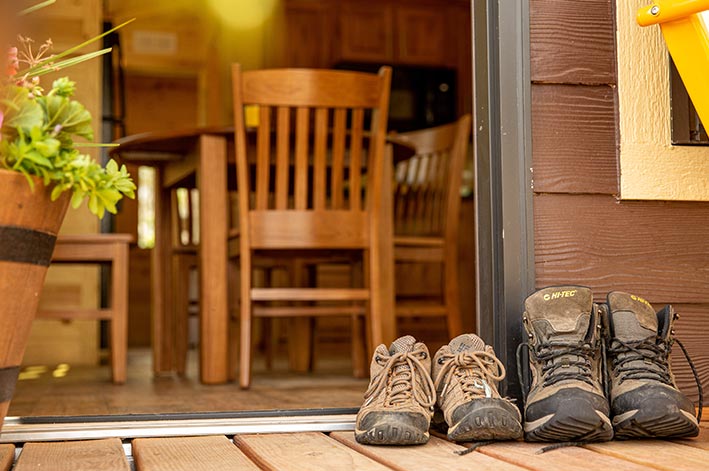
[(564, 361), (474, 371), (400, 379), (644, 359)]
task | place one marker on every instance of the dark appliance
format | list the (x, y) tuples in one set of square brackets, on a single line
[(421, 97)]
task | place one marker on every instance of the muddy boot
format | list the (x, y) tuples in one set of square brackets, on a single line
[(466, 373), (398, 404), (566, 400), (645, 401)]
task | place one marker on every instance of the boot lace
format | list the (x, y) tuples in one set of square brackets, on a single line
[(565, 361), (474, 371), (400, 379), (644, 359)]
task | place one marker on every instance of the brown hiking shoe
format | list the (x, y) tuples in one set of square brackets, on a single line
[(645, 401), (398, 404), (566, 400), (466, 373)]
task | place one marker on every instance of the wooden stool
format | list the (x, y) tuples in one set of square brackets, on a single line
[(100, 249)]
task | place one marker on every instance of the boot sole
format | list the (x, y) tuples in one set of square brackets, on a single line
[(391, 434), (572, 421), (387, 428), (651, 424), (492, 421)]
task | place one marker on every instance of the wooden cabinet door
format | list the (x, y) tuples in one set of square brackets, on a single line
[(421, 35), (310, 32), (366, 32)]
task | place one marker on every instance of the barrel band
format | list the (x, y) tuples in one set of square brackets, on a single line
[(8, 379), (22, 245)]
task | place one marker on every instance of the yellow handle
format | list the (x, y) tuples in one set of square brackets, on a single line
[(663, 11)]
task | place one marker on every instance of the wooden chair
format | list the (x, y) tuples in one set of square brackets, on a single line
[(111, 249), (310, 196), (426, 208)]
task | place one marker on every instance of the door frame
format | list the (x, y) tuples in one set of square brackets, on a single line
[(503, 191)]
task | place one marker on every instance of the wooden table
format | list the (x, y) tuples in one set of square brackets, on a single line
[(203, 154)]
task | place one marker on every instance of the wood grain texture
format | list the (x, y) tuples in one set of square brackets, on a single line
[(215, 453), (312, 451), (88, 455), (655, 249), (649, 453), (572, 41), (436, 454), (701, 441), (566, 459), (7, 456), (574, 139)]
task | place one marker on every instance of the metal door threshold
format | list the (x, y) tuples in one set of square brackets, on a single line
[(37, 429)]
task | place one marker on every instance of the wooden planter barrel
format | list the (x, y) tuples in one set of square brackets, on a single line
[(29, 222)]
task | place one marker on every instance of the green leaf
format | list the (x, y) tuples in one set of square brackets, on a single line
[(36, 7), (23, 111), (77, 198), (70, 115)]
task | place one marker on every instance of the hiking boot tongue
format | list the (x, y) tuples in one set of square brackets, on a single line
[(560, 313), (631, 317), (466, 342), (402, 345)]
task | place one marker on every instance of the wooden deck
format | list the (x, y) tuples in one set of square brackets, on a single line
[(314, 451)]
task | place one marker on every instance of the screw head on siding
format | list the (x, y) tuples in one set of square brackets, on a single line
[(655, 10)]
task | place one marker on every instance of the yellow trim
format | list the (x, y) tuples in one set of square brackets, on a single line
[(669, 10)]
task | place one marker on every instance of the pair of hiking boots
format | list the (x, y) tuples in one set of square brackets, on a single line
[(600, 370), (457, 389)]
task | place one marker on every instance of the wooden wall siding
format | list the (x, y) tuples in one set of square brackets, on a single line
[(691, 329), (658, 250), (572, 41), (573, 139)]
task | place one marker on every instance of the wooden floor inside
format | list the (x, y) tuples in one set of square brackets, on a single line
[(88, 391)]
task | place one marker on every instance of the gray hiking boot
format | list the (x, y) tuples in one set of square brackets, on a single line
[(466, 373), (398, 404), (645, 401), (566, 400)]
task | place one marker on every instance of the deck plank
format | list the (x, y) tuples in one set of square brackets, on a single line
[(7, 456), (86, 455), (655, 454), (436, 454), (313, 451), (215, 453), (700, 441), (563, 459)]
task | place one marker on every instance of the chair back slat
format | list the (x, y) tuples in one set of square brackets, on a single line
[(302, 136), (263, 165), (355, 180), (320, 162), (282, 157), (338, 158)]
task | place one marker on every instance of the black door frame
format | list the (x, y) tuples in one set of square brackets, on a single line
[(503, 159)]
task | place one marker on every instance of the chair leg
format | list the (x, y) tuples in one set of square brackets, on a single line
[(359, 324), (181, 266), (119, 321), (234, 298), (245, 322), (300, 336)]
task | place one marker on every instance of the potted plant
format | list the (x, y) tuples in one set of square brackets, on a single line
[(42, 171)]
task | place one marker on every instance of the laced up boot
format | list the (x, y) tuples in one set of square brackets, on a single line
[(566, 400), (466, 373), (398, 404), (645, 401)]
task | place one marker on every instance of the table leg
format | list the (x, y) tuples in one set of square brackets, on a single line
[(214, 320), (162, 333)]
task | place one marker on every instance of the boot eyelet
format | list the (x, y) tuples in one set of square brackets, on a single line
[(440, 361), (424, 355)]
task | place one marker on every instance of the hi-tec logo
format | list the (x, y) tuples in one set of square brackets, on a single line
[(560, 294), (640, 300)]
